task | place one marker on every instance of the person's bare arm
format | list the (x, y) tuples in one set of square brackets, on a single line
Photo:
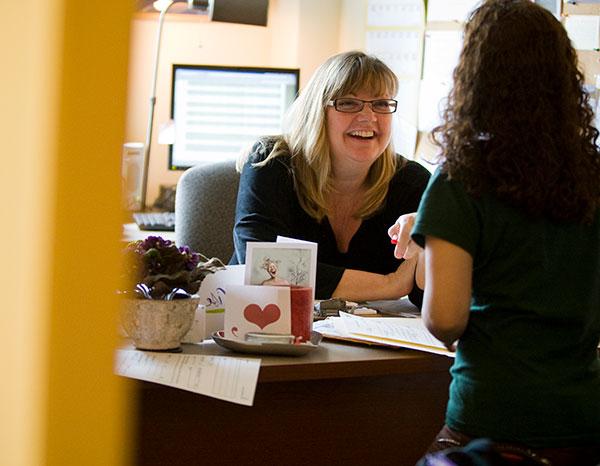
[(447, 298), (356, 285), (420, 270)]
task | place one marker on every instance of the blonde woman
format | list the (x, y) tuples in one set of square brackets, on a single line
[(333, 178)]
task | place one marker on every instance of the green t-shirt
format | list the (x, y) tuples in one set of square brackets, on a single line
[(527, 367)]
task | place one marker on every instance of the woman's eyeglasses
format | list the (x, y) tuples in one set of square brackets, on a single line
[(348, 105)]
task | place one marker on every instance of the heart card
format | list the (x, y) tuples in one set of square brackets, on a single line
[(257, 309)]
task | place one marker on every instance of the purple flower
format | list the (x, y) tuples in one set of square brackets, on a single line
[(161, 267)]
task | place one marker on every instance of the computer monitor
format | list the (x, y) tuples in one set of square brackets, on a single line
[(220, 110)]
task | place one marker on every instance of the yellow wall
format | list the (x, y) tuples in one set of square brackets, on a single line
[(299, 34), (25, 130), (62, 124)]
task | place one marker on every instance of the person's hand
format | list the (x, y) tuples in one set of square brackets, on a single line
[(399, 233), (451, 346)]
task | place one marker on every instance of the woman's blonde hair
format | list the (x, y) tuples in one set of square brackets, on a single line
[(305, 138)]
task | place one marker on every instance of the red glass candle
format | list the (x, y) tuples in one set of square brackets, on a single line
[(301, 304)]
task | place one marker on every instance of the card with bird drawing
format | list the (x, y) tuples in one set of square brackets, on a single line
[(281, 264)]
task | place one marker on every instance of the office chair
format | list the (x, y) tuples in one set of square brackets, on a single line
[(205, 209)]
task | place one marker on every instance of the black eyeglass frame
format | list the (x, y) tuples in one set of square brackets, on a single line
[(333, 103)]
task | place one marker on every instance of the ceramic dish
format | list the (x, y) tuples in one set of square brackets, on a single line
[(282, 349)]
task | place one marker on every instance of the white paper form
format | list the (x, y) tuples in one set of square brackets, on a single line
[(553, 6), (225, 378), (396, 331), (584, 31), (386, 13), (399, 49), (450, 10), (432, 101), (442, 50), (404, 136), (408, 99), (404, 122)]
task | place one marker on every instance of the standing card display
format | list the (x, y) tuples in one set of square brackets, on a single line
[(289, 262), (257, 309), (212, 294)]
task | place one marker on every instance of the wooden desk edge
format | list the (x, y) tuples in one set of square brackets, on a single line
[(420, 363), (335, 360)]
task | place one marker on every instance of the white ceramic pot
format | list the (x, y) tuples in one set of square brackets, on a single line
[(155, 324)]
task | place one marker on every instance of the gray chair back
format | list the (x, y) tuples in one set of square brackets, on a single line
[(205, 209)]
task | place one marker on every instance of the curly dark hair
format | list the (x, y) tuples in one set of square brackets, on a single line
[(518, 123)]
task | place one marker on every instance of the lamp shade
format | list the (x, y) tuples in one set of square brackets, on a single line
[(162, 5), (252, 12), (182, 7)]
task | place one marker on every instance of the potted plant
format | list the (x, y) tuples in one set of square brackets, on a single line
[(160, 298)]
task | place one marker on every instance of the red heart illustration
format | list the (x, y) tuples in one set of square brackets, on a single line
[(262, 317)]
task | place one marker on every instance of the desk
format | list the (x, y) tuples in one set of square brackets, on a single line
[(131, 232), (341, 404)]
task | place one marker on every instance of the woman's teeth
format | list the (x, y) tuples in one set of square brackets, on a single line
[(362, 134)]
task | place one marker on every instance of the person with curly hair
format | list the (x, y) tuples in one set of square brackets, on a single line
[(510, 224), (333, 178)]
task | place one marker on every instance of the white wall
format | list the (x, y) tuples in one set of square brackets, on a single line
[(353, 21), (300, 34)]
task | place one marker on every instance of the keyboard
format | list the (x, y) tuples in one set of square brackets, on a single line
[(155, 221)]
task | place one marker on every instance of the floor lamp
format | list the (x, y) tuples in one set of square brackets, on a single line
[(252, 12), (162, 6)]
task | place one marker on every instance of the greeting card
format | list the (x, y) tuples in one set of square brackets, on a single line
[(257, 309), (288, 262)]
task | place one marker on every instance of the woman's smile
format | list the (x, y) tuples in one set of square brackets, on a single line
[(359, 137)]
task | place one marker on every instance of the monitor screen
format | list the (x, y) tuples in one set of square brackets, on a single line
[(218, 111)]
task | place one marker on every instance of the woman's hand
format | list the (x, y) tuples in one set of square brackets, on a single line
[(406, 248), (399, 233)]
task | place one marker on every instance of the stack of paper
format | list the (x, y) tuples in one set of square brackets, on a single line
[(225, 378), (388, 331)]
